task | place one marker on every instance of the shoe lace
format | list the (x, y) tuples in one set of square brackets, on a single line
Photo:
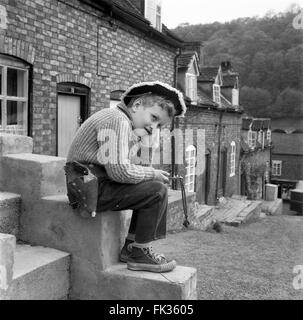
[(156, 256)]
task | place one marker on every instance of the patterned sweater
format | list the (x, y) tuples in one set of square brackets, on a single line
[(107, 138)]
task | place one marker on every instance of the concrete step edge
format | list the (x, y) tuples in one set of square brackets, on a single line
[(30, 258)]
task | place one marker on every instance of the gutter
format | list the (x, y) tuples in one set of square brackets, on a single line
[(219, 154), (173, 144), (132, 19)]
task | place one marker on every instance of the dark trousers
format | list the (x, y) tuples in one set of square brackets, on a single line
[(147, 199)]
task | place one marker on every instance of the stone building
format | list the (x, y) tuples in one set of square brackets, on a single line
[(256, 146), (213, 108)]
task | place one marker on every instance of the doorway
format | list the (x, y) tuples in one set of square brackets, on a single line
[(223, 170), (207, 176), (72, 111)]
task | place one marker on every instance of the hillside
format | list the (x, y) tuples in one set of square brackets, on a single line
[(268, 54)]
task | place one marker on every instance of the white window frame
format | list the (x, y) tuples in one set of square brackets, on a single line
[(233, 159), (159, 16), (191, 86), (217, 94), (276, 168), (252, 138), (190, 176), (7, 63), (268, 135), (152, 14), (261, 138)]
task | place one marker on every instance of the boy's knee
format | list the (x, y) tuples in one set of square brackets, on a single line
[(159, 187)]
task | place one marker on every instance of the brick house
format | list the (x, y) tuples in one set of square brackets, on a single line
[(61, 61), (287, 154), (256, 146), (219, 116)]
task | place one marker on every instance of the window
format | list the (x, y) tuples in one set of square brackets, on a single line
[(277, 167), (13, 96), (252, 138), (235, 97), (191, 87), (190, 158), (153, 13), (217, 94), (158, 17), (268, 135), (261, 138), (233, 159)]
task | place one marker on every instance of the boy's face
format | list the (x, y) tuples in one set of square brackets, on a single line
[(148, 118)]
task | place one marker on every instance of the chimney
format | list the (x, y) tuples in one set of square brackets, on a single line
[(226, 66), (195, 46)]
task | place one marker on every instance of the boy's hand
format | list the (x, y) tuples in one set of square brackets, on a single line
[(162, 176)]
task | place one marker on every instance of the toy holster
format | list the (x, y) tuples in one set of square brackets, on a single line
[(82, 186)]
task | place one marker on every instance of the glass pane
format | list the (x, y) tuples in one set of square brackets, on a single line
[(0, 116), (11, 112), (15, 82), (16, 118), (1, 72)]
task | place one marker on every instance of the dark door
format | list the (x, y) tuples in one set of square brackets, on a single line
[(223, 170), (207, 176)]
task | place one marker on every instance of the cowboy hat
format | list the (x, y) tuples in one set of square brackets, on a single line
[(156, 87)]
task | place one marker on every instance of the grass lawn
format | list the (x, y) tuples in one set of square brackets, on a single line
[(253, 261)]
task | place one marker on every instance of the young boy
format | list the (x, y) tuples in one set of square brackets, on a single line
[(108, 140)]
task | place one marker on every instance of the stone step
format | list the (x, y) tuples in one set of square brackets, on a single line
[(236, 211), (12, 144), (32, 176), (39, 273), (10, 206), (119, 283), (248, 213), (94, 244), (53, 223), (239, 197), (201, 216), (272, 207)]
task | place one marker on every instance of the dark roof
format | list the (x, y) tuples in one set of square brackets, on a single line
[(229, 80), (128, 5), (257, 124), (185, 59), (129, 14), (203, 98), (208, 73), (287, 143)]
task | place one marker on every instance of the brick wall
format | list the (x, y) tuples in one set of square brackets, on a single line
[(198, 118), (69, 41), (292, 167)]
